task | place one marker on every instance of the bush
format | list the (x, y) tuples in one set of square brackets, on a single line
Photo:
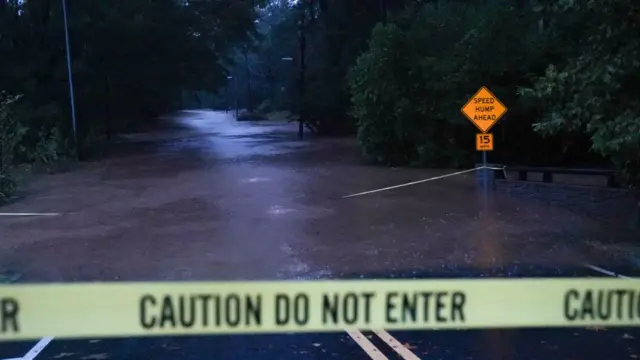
[(378, 100), (7, 187), (593, 91), (11, 134), (19, 144), (244, 115)]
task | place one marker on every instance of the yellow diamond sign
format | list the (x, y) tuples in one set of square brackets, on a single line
[(484, 109)]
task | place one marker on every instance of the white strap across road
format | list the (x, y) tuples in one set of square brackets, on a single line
[(35, 350), (423, 181), (29, 214)]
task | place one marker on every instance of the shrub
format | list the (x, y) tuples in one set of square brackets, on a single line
[(250, 116), (11, 133), (404, 92), (594, 90)]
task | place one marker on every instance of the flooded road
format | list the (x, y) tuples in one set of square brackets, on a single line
[(214, 199), (219, 199)]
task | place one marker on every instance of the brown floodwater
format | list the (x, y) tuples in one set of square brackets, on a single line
[(210, 198)]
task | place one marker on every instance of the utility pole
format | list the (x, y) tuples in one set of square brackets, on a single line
[(70, 75), (288, 58), (383, 11), (235, 92), (303, 45), (248, 80)]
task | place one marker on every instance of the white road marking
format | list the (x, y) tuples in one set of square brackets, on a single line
[(37, 349), (402, 350), (607, 272), (422, 181), (366, 345), (278, 210), (54, 197), (255, 179), (30, 214)]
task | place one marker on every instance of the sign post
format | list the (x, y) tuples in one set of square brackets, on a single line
[(484, 110)]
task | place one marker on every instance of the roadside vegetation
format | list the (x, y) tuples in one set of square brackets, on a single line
[(396, 73), (393, 73), (131, 61)]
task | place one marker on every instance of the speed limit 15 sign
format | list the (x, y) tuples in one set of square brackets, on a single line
[(484, 142)]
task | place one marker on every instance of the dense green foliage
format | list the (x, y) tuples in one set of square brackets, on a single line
[(406, 89), (569, 84), (595, 91), (398, 75), (11, 133), (426, 65)]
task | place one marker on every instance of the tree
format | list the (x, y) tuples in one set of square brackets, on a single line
[(594, 91), (131, 59), (408, 87)]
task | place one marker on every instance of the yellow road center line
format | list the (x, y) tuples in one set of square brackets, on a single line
[(366, 345), (402, 350)]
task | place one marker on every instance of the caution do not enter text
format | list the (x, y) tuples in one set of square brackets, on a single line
[(143, 309)]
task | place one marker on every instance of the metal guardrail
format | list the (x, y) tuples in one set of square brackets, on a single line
[(547, 173)]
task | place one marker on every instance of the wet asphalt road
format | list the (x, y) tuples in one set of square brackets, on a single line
[(477, 345), (213, 199)]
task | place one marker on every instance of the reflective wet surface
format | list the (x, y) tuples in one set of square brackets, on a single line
[(209, 198)]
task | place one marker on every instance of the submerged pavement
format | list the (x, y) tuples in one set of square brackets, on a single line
[(215, 199)]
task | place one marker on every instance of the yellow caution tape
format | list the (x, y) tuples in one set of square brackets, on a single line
[(145, 309)]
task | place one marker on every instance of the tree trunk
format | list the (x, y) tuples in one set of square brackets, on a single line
[(383, 11), (303, 44), (107, 108), (248, 76)]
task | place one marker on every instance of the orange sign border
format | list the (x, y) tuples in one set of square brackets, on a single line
[(473, 97), (478, 138)]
